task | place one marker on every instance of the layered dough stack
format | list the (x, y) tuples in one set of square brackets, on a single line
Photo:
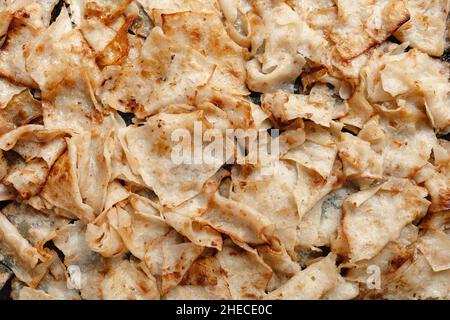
[(358, 208)]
